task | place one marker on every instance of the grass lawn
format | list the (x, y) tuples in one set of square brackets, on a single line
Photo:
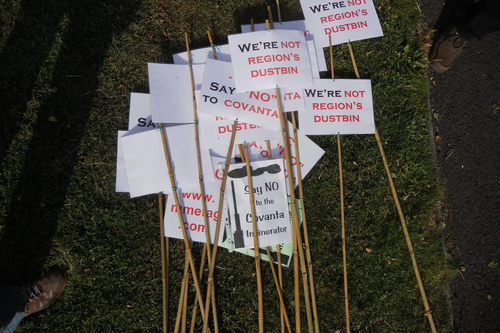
[(67, 70)]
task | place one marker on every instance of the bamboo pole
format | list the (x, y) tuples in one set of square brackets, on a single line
[(278, 253), (295, 220), (279, 11), (184, 306), (212, 44), (217, 227), (342, 214), (252, 26), (200, 178), (164, 264), (255, 241), (181, 295), (195, 306), (181, 220), (304, 226), (428, 312), (270, 14)]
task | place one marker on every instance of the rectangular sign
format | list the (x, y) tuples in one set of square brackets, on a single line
[(190, 202), (200, 56), (266, 59), (344, 20), (171, 93), (270, 199), (338, 107)]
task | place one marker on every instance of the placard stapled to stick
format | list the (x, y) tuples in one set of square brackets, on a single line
[(200, 56), (272, 216), (266, 59), (171, 93), (338, 107), (343, 19), (315, 52), (218, 97), (190, 201), (145, 163)]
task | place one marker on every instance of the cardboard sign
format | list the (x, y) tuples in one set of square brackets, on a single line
[(338, 107), (315, 53), (266, 59), (343, 19), (190, 201), (146, 166), (215, 133), (200, 56), (121, 184), (270, 199), (310, 153), (218, 97), (171, 93)]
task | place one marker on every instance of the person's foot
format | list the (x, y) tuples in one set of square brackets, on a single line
[(445, 49), (43, 291)]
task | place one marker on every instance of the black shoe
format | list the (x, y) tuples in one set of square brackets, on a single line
[(43, 291), (445, 49)]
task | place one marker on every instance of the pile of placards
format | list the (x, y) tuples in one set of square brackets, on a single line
[(244, 82)]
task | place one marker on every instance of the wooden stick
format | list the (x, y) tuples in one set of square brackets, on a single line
[(268, 27), (184, 306), (181, 219), (295, 220), (270, 14), (164, 264), (428, 312), (279, 289), (342, 214), (181, 295), (331, 56), (217, 227), (279, 11), (255, 242), (252, 26), (278, 253), (304, 226), (344, 255), (200, 174), (195, 306), (212, 44)]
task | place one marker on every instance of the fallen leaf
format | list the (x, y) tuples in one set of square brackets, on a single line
[(368, 250)]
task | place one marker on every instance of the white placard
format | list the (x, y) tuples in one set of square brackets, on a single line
[(344, 20), (338, 107), (146, 166), (271, 207), (199, 56), (171, 92), (121, 184), (266, 59), (139, 118), (190, 201), (218, 97), (215, 133), (294, 25)]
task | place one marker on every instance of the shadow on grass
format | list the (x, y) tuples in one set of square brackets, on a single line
[(74, 36)]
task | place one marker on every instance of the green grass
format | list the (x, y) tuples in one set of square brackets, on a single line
[(67, 71)]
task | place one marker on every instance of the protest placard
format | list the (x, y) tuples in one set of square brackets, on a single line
[(200, 56), (344, 20), (266, 59), (315, 52), (215, 133), (273, 223), (338, 107), (146, 166), (140, 113), (170, 92), (121, 183), (218, 97), (190, 201)]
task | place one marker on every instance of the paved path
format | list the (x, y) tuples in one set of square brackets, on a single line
[(467, 100)]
